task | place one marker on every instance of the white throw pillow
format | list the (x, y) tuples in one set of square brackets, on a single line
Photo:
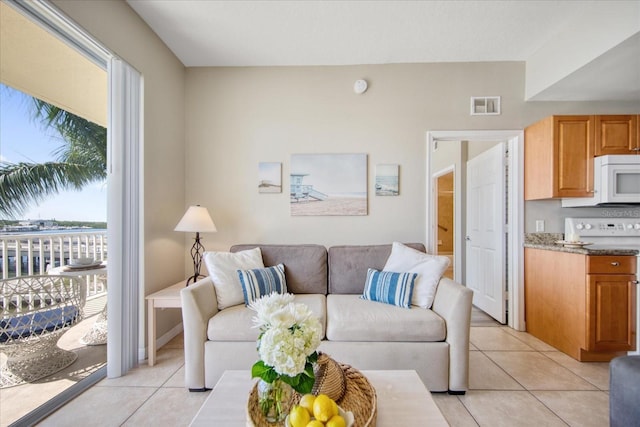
[(430, 269), (223, 269)]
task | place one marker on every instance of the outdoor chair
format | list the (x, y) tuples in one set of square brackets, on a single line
[(36, 311)]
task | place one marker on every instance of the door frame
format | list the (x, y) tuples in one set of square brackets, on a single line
[(515, 216)]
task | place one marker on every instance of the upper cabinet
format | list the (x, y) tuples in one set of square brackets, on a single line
[(558, 153), (617, 135)]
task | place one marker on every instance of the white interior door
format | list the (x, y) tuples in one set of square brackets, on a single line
[(485, 225)]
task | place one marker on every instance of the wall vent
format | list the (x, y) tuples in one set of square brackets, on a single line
[(485, 105)]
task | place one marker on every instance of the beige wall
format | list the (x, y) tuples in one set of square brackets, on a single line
[(120, 29), (237, 117)]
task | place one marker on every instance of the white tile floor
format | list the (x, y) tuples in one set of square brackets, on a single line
[(515, 380)]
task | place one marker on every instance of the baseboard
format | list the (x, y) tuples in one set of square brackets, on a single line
[(165, 338)]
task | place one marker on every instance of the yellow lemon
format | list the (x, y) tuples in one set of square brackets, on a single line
[(306, 402), (314, 423), (298, 416), (335, 407), (324, 408), (336, 421)]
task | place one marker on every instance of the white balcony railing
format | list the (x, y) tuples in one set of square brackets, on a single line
[(37, 252)]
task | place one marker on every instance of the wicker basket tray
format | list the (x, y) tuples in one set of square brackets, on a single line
[(359, 398)]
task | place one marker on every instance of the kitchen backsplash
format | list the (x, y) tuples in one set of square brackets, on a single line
[(552, 212)]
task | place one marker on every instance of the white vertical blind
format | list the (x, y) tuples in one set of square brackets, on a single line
[(124, 214)]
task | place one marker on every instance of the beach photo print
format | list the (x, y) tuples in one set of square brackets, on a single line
[(328, 184), (387, 180), (269, 177)]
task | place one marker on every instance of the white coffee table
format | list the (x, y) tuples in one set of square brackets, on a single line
[(403, 400)]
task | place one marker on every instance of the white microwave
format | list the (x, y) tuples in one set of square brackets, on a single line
[(616, 181)]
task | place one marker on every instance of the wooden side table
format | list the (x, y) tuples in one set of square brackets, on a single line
[(166, 298)]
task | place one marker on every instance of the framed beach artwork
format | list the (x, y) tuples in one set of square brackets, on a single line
[(269, 177), (328, 184), (387, 180)]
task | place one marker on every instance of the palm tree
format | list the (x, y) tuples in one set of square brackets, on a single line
[(81, 159)]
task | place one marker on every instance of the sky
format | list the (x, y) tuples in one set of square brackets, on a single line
[(332, 174), (270, 171), (22, 139)]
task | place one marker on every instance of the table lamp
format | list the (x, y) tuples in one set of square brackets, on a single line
[(196, 220)]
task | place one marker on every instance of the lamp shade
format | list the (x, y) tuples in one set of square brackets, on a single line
[(196, 219)]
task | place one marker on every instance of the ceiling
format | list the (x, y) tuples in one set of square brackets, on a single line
[(290, 33)]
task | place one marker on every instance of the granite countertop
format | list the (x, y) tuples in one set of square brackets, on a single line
[(547, 241)]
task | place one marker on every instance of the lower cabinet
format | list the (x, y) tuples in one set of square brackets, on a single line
[(611, 312), (584, 305)]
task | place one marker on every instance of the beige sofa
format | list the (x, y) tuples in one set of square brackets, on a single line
[(365, 334)]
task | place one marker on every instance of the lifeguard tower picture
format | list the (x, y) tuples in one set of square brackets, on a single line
[(328, 184), (304, 193)]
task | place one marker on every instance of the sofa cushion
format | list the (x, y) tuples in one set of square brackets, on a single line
[(350, 318), (259, 282), (348, 265), (305, 265), (429, 268), (223, 269), (236, 323), (389, 288)]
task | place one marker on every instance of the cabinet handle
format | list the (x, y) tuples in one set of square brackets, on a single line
[(615, 263)]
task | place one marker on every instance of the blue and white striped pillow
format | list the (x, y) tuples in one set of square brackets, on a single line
[(262, 281), (389, 287)]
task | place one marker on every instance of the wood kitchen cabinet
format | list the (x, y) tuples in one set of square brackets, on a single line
[(558, 157), (616, 135), (584, 305)]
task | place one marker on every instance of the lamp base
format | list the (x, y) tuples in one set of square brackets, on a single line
[(194, 278), (196, 254)]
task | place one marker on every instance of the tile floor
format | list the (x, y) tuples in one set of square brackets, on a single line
[(515, 380)]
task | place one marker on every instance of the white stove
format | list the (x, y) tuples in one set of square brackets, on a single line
[(608, 233)]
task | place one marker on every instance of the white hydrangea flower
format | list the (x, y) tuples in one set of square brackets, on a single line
[(267, 305), (290, 333)]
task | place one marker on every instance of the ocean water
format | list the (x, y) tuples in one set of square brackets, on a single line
[(387, 185), (55, 231)]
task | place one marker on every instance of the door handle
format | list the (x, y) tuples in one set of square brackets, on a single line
[(467, 238)]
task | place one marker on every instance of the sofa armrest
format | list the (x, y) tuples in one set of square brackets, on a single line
[(453, 303), (199, 304)]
